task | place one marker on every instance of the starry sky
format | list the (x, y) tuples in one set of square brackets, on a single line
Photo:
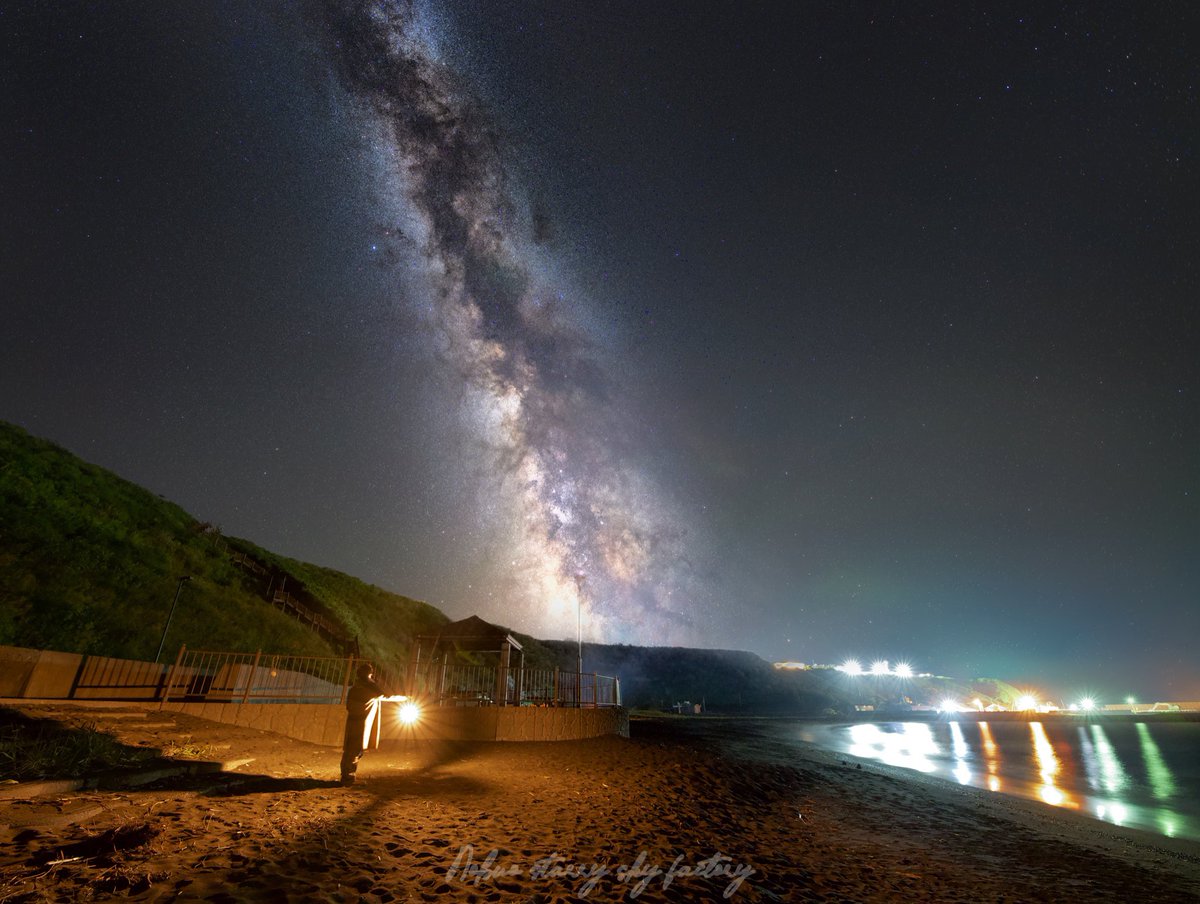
[(814, 329)]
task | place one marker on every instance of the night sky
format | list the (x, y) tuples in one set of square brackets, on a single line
[(812, 329)]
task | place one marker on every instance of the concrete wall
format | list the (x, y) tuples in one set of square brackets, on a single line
[(324, 723), (37, 673), (317, 723), (42, 674)]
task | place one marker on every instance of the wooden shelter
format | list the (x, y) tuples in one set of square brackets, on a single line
[(434, 654)]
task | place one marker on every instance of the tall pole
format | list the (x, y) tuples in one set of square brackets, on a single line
[(167, 627), (580, 577)]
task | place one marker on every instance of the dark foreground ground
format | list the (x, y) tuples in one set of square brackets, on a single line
[(683, 811)]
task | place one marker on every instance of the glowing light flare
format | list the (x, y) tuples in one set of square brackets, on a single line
[(880, 667), (949, 706), (1026, 703), (902, 670), (409, 713), (851, 667), (1087, 704)]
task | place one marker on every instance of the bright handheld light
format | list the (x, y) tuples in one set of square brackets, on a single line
[(409, 713)]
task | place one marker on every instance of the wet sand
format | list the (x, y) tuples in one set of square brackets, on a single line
[(685, 810)]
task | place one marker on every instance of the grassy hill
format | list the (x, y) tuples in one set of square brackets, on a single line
[(89, 563)]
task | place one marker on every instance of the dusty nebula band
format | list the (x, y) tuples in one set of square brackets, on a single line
[(594, 531)]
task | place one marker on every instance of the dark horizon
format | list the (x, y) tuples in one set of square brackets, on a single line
[(820, 332)]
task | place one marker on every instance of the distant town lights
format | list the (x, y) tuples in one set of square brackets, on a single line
[(878, 667), (1087, 704)]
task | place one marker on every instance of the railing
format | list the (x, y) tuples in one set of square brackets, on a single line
[(209, 677), (451, 684)]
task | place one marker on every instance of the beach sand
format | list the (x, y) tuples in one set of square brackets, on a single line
[(587, 820)]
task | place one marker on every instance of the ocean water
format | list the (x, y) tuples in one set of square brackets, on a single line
[(1144, 775)]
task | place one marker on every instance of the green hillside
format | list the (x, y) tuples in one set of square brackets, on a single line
[(90, 562)]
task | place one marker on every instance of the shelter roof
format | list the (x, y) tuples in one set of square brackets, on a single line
[(473, 633)]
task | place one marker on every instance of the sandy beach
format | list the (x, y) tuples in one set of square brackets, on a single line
[(679, 812)]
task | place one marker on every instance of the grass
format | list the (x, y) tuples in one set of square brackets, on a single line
[(32, 750), (90, 562)]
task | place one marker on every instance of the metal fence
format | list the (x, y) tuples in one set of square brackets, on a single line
[(450, 684), (210, 677), (204, 676)]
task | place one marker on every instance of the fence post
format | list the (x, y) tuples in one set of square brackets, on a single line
[(617, 687), (250, 677), (557, 702), (171, 676), (346, 679)]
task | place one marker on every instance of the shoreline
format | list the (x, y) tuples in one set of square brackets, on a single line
[(678, 812)]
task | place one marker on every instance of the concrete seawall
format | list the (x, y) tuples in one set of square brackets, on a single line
[(324, 723)]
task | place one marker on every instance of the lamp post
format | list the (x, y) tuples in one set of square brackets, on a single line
[(167, 627)]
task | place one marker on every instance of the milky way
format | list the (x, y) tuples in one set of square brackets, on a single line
[(586, 524)]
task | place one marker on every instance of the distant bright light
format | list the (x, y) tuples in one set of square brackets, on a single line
[(1087, 704), (880, 667), (978, 704), (902, 670), (1027, 702), (851, 667), (949, 706), (409, 713)]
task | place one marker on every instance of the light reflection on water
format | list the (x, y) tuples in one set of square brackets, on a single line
[(1130, 774)]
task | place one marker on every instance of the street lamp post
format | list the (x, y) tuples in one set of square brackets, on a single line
[(167, 627)]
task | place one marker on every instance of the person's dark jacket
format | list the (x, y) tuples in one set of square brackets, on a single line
[(358, 700)]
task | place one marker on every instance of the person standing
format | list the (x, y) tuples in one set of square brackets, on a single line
[(362, 706)]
